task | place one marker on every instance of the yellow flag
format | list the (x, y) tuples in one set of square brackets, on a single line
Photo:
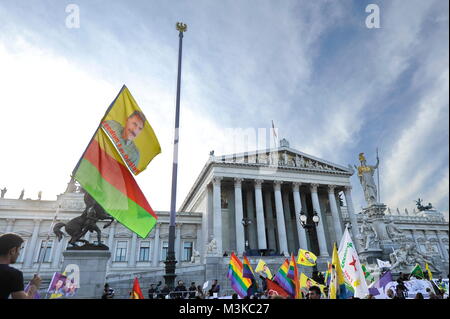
[(306, 258), (427, 268), (130, 132), (263, 269), (306, 283)]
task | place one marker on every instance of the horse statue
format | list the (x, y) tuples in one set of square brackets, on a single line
[(420, 207), (79, 226)]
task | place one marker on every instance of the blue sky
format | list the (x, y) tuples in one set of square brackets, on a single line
[(333, 87)]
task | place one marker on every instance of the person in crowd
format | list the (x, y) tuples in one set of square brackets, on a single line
[(419, 296), (108, 293), (390, 294), (314, 292), (192, 290), (215, 289), (164, 292), (431, 294), (11, 279), (199, 294), (180, 290), (234, 296), (152, 291)]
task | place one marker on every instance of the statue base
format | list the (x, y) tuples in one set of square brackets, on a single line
[(92, 265), (375, 210), (89, 247), (371, 255)]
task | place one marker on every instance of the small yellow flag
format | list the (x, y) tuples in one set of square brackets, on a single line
[(306, 258), (130, 132), (263, 269)]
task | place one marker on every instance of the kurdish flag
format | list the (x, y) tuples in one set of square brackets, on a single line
[(136, 293), (367, 274), (306, 258), (283, 280), (263, 269), (235, 274), (104, 175), (338, 287)]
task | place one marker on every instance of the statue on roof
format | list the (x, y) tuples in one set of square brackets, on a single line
[(420, 207), (365, 174)]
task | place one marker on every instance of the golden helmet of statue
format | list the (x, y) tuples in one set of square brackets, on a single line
[(361, 157)]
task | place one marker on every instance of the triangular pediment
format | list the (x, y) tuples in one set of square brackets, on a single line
[(284, 157)]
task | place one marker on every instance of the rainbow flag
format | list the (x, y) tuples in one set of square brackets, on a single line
[(338, 287), (235, 274), (328, 274), (293, 275), (103, 173), (283, 280), (247, 269)]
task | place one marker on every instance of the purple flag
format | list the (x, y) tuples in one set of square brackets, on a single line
[(378, 287)]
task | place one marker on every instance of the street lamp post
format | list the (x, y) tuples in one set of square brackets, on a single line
[(309, 226), (246, 222)]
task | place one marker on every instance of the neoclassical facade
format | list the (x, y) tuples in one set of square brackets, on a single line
[(252, 202), (240, 202)]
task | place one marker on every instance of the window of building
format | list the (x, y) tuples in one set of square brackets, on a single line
[(187, 250), (121, 251), (45, 251), (164, 250), (144, 251)]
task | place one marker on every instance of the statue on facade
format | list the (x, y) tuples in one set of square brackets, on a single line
[(394, 233), (195, 256), (71, 187), (4, 190), (22, 193), (39, 195), (399, 258), (79, 226), (420, 207), (365, 174), (211, 248), (414, 256), (369, 237)]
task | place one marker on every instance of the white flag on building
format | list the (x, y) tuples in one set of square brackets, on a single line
[(383, 264), (351, 267)]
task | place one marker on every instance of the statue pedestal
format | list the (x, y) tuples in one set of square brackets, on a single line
[(371, 255), (92, 265)]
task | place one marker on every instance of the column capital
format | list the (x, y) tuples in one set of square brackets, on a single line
[(331, 188), (258, 183), (277, 184), (238, 182), (296, 186), (314, 187), (216, 180)]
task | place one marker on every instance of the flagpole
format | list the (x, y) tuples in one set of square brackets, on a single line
[(170, 262), (378, 177)]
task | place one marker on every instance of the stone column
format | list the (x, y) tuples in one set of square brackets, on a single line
[(282, 238), (251, 229), (320, 228), (32, 245), (302, 241), (352, 217), (239, 215), (335, 213), (57, 247), (441, 245), (155, 259), (288, 221), (261, 226), (112, 231), (217, 211), (132, 260), (178, 254), (10, 225), (270, 222)]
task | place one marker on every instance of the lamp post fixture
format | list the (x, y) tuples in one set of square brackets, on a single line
[(309, 227), (246, 222)]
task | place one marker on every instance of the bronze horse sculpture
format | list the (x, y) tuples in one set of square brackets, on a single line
[(79, 226)]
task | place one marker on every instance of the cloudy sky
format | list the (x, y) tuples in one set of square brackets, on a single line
[(332, 86)]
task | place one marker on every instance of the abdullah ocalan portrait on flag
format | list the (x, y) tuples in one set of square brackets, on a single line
[(130, 132)]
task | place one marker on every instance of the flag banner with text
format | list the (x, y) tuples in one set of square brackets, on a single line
[(130, 132)]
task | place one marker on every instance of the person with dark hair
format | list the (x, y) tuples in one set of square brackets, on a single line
[(314, 292), (418, 296), (151, 291), (215, 289), (199, 294), (181, 290), (192, 290), (11, 279), (108, 293)]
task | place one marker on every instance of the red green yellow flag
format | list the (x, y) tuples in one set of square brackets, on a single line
[(104, 175)]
